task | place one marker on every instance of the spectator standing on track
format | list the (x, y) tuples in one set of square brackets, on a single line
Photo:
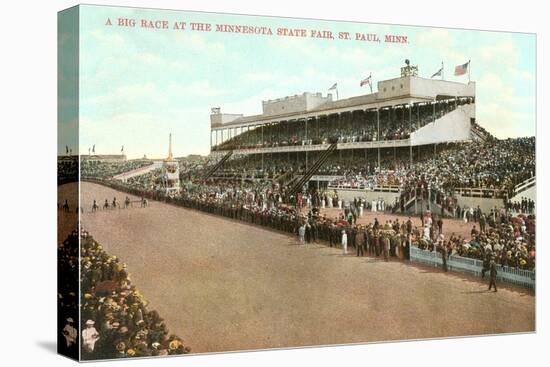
[(386, 246), (344, 242), (482, 221), (360, 241), (444, 252), (493, 273), (302, 233)]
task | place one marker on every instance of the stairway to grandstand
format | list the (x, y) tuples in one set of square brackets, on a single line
[(479, 134), (283, 178), (296, 185), (422, 204), (217, 166)]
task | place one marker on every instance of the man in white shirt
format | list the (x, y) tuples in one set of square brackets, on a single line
[(302, 233), (344, 242), (89, 336)]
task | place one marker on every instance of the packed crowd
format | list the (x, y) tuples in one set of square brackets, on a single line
[(498, 164), (495, 166), (116, 321), (104, 169), (360, 126), (508, 240)]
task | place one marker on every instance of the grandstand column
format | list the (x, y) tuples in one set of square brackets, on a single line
[(433, 114), (378, 134), (339, 132), (410, 141), (318, 121), (418, 115), (307, 156), (262, 143)]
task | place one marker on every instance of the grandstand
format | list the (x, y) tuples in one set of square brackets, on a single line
[(349, 146)]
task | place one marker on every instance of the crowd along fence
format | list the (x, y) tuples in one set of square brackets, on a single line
[(521, 277)]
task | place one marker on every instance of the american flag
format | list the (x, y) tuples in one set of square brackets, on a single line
[(462, 69), (365, 81), (334, 86)]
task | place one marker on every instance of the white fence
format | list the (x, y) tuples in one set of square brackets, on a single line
[(524, 278)]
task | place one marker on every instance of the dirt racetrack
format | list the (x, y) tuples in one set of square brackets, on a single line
[(223, 285)]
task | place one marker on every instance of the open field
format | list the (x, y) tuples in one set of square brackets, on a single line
[(224, 285)]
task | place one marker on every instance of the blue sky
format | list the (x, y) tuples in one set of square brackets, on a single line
[(137, 85)]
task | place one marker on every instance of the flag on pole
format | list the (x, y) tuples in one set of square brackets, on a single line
[(335, 87), (66, 149), (438, 73), (462, 69), (368, 81), (122, 149), (365, 81), (93, 149)]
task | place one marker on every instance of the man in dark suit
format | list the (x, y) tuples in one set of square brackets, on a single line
[(493, 270)]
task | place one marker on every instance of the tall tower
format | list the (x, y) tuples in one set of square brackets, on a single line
[(171, 172)]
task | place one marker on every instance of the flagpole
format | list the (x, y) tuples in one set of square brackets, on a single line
[(469, 68), (442, 71), (370, 82)]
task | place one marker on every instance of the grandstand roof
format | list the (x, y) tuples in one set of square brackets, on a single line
[(392, 92)]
